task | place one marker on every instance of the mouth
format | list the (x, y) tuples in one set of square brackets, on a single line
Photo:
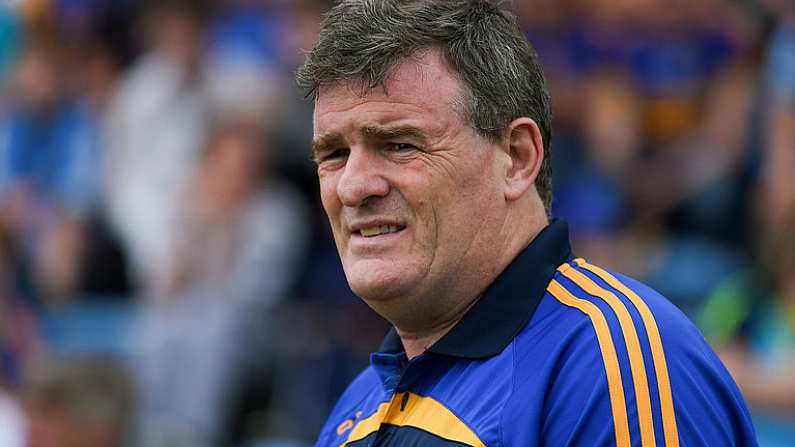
[(379, 230)]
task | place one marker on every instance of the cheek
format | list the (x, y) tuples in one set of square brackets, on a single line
[(468, 207), (328, 193)]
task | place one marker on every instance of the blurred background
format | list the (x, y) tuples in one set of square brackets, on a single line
[(167, 276)]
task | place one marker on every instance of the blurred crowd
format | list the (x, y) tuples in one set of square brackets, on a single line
[(167, 277)]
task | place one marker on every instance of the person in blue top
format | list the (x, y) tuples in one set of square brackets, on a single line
[(431, 138)]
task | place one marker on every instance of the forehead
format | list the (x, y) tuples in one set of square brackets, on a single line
[(419, 89)]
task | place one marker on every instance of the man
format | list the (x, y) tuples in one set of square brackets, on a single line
[(432, 131)]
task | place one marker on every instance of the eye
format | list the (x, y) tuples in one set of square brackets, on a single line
[(332, 155), (400, 147)]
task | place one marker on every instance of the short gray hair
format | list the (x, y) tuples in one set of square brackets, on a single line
[(364, 40)]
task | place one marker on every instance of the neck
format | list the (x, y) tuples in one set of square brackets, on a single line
[(416, 341), (416, 346)]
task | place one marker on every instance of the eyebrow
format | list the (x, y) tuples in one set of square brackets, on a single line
[(380, 133), (329, 141), (325, 143)]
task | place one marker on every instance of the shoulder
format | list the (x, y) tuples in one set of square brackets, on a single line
[(630, 314), (620, 351)]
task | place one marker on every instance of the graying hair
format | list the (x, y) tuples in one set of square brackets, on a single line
[(364, 40)]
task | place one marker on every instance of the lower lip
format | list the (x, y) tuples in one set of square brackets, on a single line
[(357, 240)]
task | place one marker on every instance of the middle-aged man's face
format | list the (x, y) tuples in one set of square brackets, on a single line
[(413, 194)]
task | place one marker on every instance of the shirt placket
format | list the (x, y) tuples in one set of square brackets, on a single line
[(399, 398)]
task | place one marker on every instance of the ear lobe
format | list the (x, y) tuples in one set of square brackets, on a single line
[(526, 151)]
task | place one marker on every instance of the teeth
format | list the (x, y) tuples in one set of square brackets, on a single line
[(376, 231)]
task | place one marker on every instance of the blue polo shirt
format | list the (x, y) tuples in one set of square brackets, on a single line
[(556, 352)]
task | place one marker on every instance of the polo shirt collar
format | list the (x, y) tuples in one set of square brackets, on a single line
[(507, 304)]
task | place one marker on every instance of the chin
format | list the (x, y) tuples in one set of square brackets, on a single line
[(378, 282)]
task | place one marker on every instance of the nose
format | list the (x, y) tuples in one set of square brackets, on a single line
[(362, 178)]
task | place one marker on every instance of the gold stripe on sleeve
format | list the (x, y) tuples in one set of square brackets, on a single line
[(636, 363), (614, 384), (658, 354)]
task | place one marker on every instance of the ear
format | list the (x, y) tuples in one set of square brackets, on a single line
[(525, 149)]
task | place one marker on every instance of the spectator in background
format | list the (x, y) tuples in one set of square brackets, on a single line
[(778, 184), (155, 129), (699, 215), (593, 195), (750, 316), (49, 150), (666, 91), (78, 402), (750, 319), (241, 236), (240, 219)]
